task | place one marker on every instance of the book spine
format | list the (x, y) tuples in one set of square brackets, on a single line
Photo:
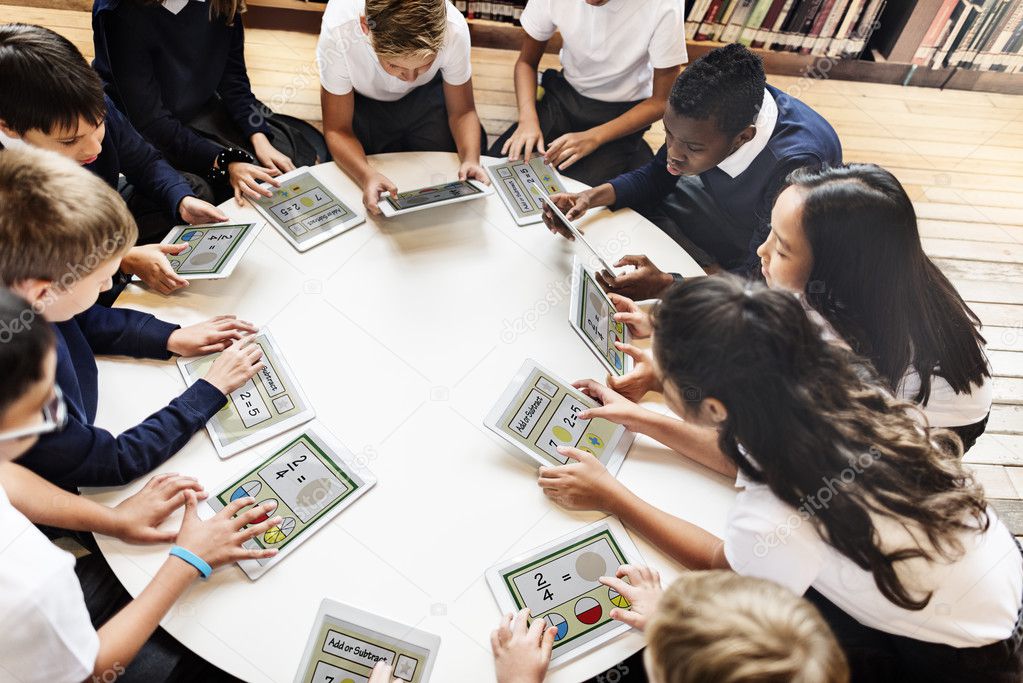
[(727, 9), (767, 25), (931, 37), (858, 40), (735, 23), (696, 15), (830, 26), (707, 25), (755, 21), (810, 42)]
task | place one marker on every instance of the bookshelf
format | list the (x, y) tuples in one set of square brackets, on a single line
[(885, 59)]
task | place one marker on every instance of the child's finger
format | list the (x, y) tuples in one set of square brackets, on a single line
[(626, 616), (547, 642)]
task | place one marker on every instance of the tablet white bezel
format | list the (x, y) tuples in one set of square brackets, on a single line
[(259, 436), (496, 180), (356, 219), (389, 211), (575, 306), (578, 234), (392, 629), (341, 457), (228, 267), (506, 603), (619, 448)]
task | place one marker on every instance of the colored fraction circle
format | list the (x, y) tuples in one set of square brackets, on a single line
[(249, 489), (278, 533), (266, 513), (562, 434), (588, 611), (617, 599), (559, 622)]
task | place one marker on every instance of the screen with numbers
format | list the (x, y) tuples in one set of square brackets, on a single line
[(304, 210), (519, 182), (592, 316)]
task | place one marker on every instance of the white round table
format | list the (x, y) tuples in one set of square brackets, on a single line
[(402, 332)]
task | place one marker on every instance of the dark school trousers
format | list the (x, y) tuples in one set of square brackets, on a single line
[(563, 110), (416, 122), (152, 217)]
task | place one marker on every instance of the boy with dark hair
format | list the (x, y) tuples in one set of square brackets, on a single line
[(53, 99), (730, 141)]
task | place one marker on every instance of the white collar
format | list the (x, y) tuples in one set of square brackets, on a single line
[(175, 6), (739, 160), (11, 143)]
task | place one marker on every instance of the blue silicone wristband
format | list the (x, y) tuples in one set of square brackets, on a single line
[(191, 558)]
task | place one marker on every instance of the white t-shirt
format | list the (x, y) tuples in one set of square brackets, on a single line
[(975, 602), (47, 633), (609, 52), (348, 62)]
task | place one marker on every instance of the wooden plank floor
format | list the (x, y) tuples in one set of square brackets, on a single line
[(960, 155)]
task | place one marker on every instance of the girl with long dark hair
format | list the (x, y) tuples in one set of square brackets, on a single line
[(845, 497)]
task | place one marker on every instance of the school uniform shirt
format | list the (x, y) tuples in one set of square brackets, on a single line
[(85, 455), (789, 135), (975, 599), (48, 635), (348, 62), (609, 53), (162, 67)]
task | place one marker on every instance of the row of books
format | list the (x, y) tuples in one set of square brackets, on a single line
[(833, 28), (983, 35), (508, 12)]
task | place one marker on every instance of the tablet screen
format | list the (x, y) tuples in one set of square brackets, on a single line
[(209, 248), (432, 195), (596, 320), (304, 208)]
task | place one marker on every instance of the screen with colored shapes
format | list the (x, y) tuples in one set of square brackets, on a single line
[(562, 587), (210, 247), (596, 320), (432, 195), (304, 208), (518, 183), (304, 481), (346, 651), (545, 415)]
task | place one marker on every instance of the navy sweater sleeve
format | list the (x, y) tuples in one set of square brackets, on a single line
[(85, 455), (124, 332), (248, 113), (646, 185), (138, 91), (143, 166)]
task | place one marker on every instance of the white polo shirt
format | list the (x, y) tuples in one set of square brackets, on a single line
[(347, 61), (610, 52), (47, 634), (975, 599)]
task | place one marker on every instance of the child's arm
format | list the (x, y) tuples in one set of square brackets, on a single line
[(347, 151), (217, 541), (527, 135), (136, 519), (465, 128), (587, 485), (570, 147)]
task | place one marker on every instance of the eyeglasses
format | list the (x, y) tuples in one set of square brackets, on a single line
[(54, 419)]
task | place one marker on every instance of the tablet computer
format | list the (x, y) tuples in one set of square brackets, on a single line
[(266, 406), (304, 210), (517, 184), (559, 583), (432, 197), (577, 234), (346, 643), (308, 481), (591, 315), (213, 251), (538, 412)]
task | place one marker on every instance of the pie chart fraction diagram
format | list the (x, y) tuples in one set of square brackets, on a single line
[(249, 489), (588, 610), (272, 502), (559, 622), (276, 534), (617, 599)]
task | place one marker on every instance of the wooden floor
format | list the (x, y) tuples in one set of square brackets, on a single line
[(959, 154)]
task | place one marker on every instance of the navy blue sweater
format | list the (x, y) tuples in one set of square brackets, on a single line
[(124, 151), (161, 69), (801, 138), (85, 455)]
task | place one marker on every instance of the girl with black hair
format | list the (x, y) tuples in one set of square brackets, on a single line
[(845, 498)]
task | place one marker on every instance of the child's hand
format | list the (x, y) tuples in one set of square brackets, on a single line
[(635, 318), (235, 366), (382, 674), (218, 540), (137, 518), (195, 211), (471, 170), (614, 406), (210, 336), (582, 485), (646, 281), (376, 185), (524, 140), (246, 179), (151, 266), (570, 148), (570, 204), (270, 156), (637, 382), (521, 654), (642, 591)]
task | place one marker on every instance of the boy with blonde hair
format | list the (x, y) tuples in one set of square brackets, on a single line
[(396, 77), (63, 232), (707, 627)]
